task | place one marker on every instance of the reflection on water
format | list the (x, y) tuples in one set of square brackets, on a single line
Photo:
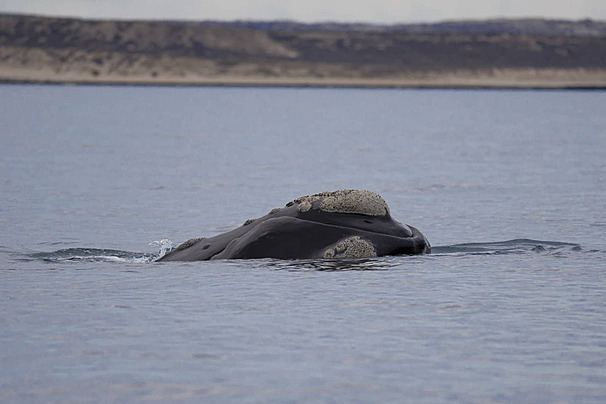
[(365, 264)]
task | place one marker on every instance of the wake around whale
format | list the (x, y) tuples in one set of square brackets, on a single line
[(337, 224)]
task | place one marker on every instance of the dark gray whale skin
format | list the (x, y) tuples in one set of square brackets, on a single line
[(295, 233)]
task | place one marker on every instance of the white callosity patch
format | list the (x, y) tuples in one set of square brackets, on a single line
[(351, 247), (345, 201)]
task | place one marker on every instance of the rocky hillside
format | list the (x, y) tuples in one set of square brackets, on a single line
[(61, 49)]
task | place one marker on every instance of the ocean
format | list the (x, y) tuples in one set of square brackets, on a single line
[(96, 182)]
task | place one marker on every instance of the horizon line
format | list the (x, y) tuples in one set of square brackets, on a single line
[(294, 21)]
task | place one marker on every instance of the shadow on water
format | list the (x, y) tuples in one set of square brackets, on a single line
[(517, 246)]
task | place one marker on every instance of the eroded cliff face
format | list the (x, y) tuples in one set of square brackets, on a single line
[(60, 49)]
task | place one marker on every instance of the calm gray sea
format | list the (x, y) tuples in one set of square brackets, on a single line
[(508, 186)]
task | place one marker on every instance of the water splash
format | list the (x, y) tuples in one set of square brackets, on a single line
[(165, 246)]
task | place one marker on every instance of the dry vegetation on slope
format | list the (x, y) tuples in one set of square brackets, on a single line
[(43, 49)]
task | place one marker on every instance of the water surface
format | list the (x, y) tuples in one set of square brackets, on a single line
[(508, 186)]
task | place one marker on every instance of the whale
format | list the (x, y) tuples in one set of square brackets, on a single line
[(328, 225)]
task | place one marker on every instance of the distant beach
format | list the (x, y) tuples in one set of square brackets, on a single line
[(509, 78)]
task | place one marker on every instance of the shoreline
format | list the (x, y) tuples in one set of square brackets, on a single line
[(451, 83)]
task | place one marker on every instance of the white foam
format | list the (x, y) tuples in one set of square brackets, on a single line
[(165, 246)]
